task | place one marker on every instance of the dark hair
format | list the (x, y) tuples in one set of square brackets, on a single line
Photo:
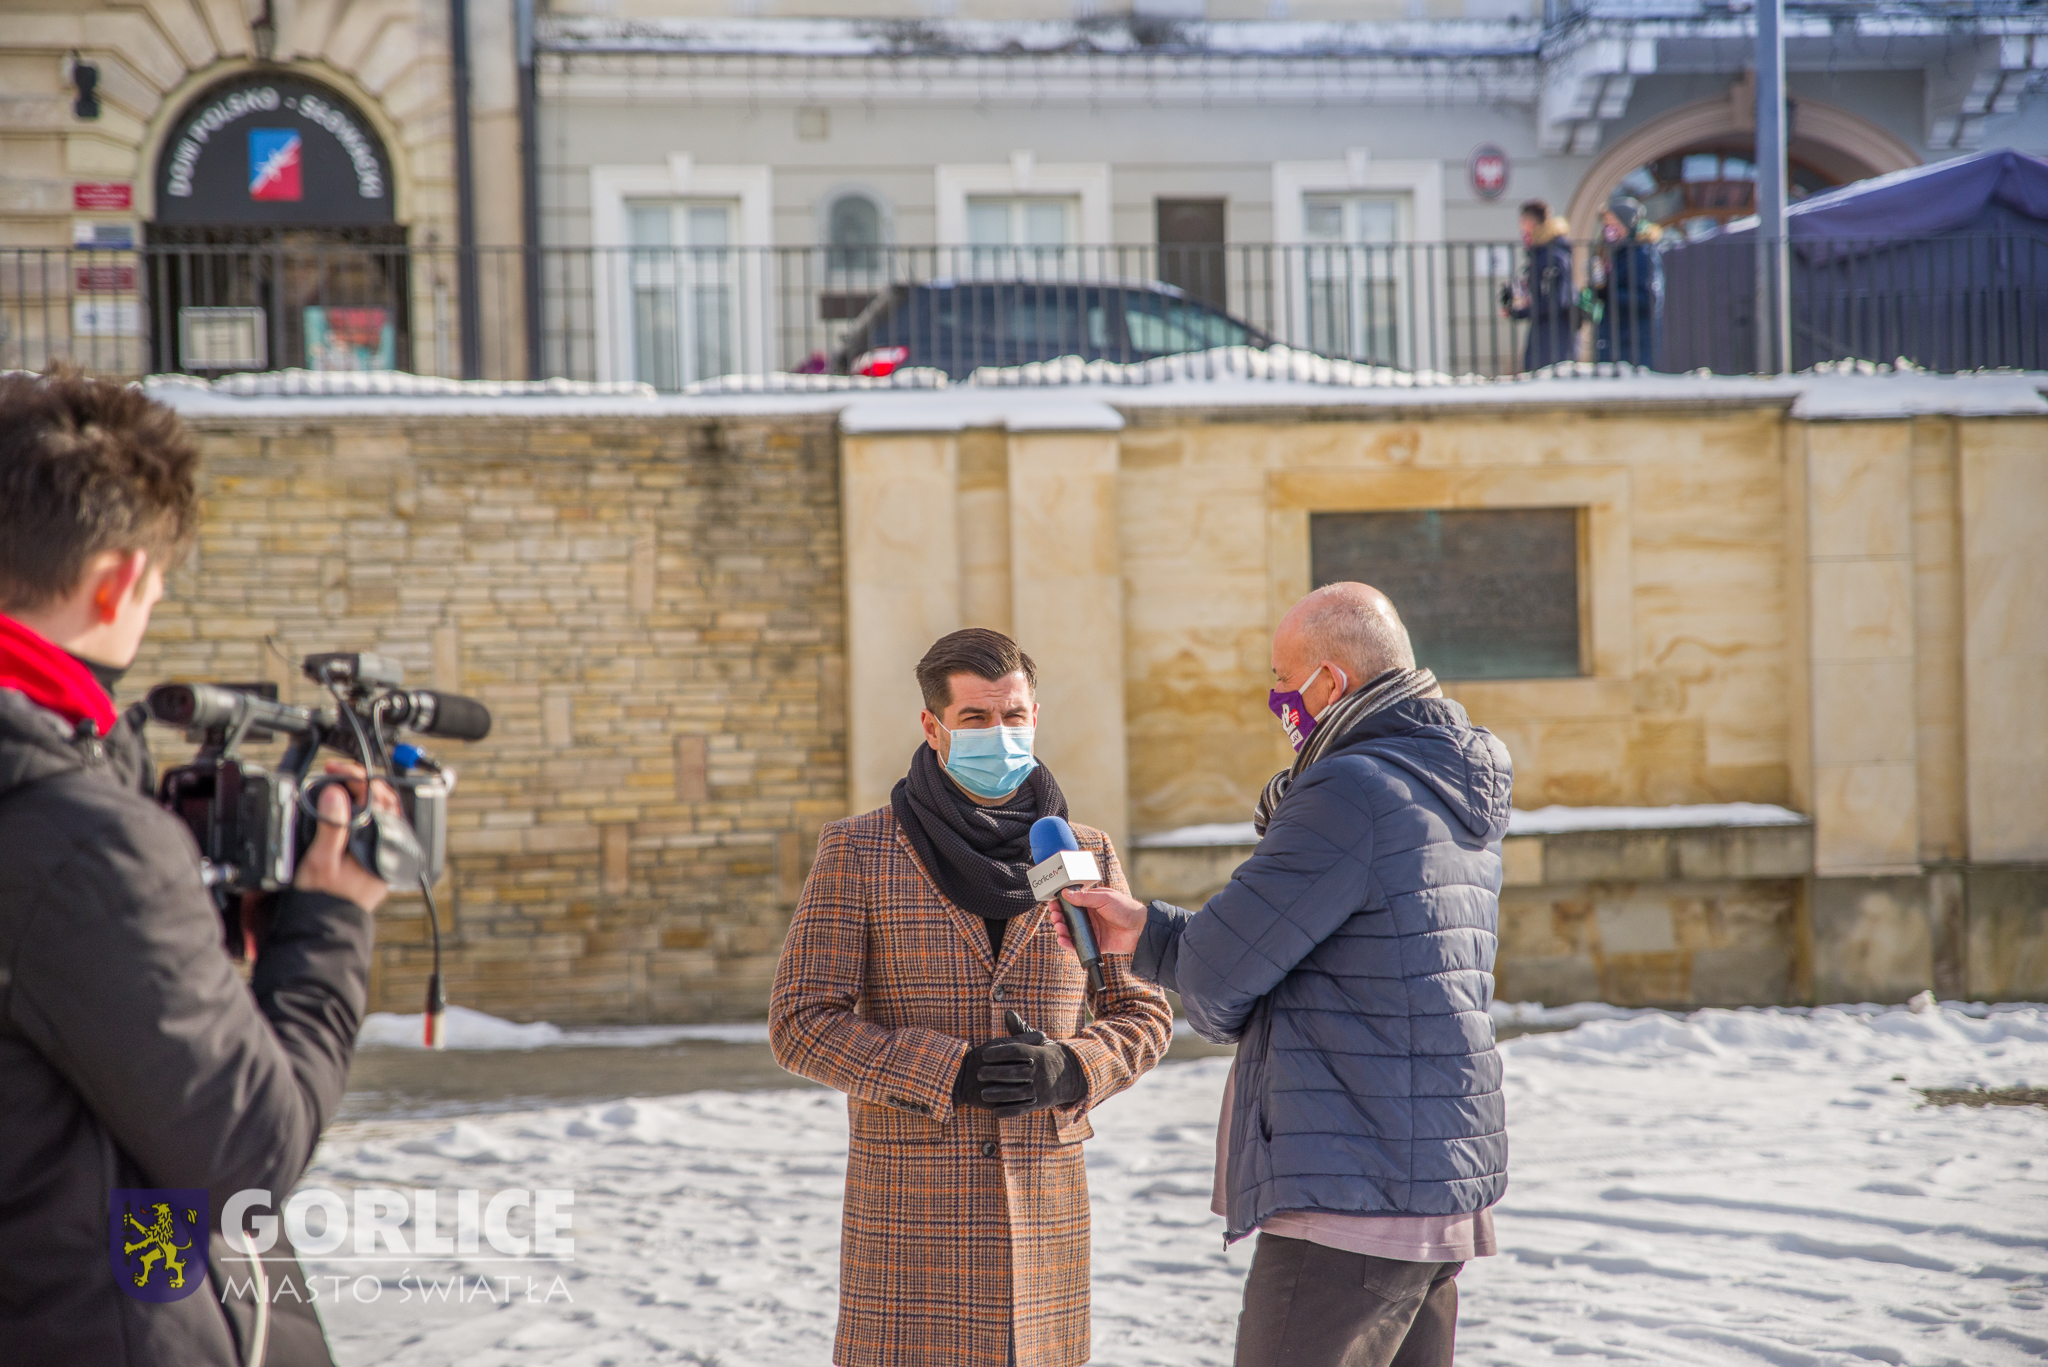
[(978, 651), (87, 466), (1537, 209)]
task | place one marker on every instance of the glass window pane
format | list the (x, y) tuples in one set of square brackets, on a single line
[(710, 225), (1486, 594), (854, 229), (713, 332), (1640, 182), (1700, 166), (647, 225), (988, 222), (1045, 222), (856, 222), (654, 338), (1378, 220), (1207, 328), (1323, 220)]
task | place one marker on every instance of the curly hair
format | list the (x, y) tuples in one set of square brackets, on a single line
[(87, 465)]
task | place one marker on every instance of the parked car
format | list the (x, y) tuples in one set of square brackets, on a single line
[(958, 326)]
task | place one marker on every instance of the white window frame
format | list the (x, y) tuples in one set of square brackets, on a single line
[(1023, 176), (1294, 182), (682, 178)]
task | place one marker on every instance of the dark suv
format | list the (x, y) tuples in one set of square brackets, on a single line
[(957, 326)]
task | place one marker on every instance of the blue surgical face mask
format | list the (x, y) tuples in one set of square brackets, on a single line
[(990, 761)]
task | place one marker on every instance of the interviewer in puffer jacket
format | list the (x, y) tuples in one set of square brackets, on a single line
[(1351, 960)]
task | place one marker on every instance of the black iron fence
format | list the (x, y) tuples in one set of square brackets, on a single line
[(674, 316)]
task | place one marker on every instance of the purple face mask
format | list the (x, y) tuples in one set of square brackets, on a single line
[(1293, 712)]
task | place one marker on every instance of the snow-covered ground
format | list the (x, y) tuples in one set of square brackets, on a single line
[(1735, 1187)]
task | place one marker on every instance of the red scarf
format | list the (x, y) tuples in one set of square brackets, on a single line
[(48, 677)]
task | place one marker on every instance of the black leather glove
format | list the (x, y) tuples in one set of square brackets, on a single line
[(1019, 1075)]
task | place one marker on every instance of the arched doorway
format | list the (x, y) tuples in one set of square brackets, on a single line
[(1697, 189), (1830, 146), (274, 240)]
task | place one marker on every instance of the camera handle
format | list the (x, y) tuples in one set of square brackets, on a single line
[(382, 842)]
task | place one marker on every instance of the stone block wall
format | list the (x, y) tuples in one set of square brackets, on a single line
[(653, 611)]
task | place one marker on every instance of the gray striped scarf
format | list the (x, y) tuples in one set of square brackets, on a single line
[(1396, 685)]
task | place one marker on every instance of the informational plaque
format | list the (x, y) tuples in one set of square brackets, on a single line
[(222, 338), (1486, 593), (106, 318)]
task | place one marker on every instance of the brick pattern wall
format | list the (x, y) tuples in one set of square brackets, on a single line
[(652, 610)]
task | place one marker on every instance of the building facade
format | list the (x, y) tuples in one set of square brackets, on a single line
[(716, 189), (214, 185), (1177, 141)]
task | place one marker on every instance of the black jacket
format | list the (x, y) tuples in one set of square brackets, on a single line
[(1550, 301), (133, 1055)]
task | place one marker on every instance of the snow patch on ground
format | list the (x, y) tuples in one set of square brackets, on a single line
[(467, 1029), (1724, 1187)]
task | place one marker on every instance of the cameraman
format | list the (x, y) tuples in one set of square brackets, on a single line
[(131, 1053)]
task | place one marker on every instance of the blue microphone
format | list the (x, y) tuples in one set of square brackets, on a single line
[(1059, 862)]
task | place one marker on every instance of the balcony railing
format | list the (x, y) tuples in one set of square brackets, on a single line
[(674, 317)]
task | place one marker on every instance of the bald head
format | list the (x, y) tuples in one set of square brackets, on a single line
[(1352, 625)]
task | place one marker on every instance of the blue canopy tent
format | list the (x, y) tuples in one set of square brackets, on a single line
[(1945, 265)]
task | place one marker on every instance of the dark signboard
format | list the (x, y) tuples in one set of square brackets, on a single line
[(269, 148)]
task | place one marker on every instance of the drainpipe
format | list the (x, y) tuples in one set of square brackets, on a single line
[(529, 183), (470, 312)]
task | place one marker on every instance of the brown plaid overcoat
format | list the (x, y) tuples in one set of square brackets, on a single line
[(958, 1226)]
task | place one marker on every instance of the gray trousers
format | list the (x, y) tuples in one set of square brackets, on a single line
[(1310, 1306)]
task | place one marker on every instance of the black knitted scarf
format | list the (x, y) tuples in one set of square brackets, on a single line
[(979, 856)]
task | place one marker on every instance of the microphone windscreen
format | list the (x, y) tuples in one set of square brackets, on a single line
[(458, 718), (1050, 835)]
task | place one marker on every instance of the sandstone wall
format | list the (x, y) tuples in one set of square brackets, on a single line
[(697, 633), (652, 611), (1683, 580)]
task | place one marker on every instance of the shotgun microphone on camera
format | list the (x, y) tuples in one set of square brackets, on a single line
[(1058, 863), (449, 715)]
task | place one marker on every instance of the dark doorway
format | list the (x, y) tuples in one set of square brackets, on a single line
[(1191, 248), (302, 298)]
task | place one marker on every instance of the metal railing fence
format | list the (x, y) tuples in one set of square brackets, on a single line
[(673, 316)]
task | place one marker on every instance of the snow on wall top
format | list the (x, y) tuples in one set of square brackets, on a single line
[(1045, 397), (1109, 35)]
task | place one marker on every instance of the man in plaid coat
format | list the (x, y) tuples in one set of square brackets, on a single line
[(921, 978)]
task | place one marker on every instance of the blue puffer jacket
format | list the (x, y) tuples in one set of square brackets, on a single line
[(1351, 959)]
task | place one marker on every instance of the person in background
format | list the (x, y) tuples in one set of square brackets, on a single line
[(1542, 293), (1628, 279), (1350, 959)]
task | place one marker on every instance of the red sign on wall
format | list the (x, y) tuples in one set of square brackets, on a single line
[(1489, 169), (103, 279), (107, 194)]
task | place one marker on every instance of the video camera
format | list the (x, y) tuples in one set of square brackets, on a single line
[(252, 823)]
